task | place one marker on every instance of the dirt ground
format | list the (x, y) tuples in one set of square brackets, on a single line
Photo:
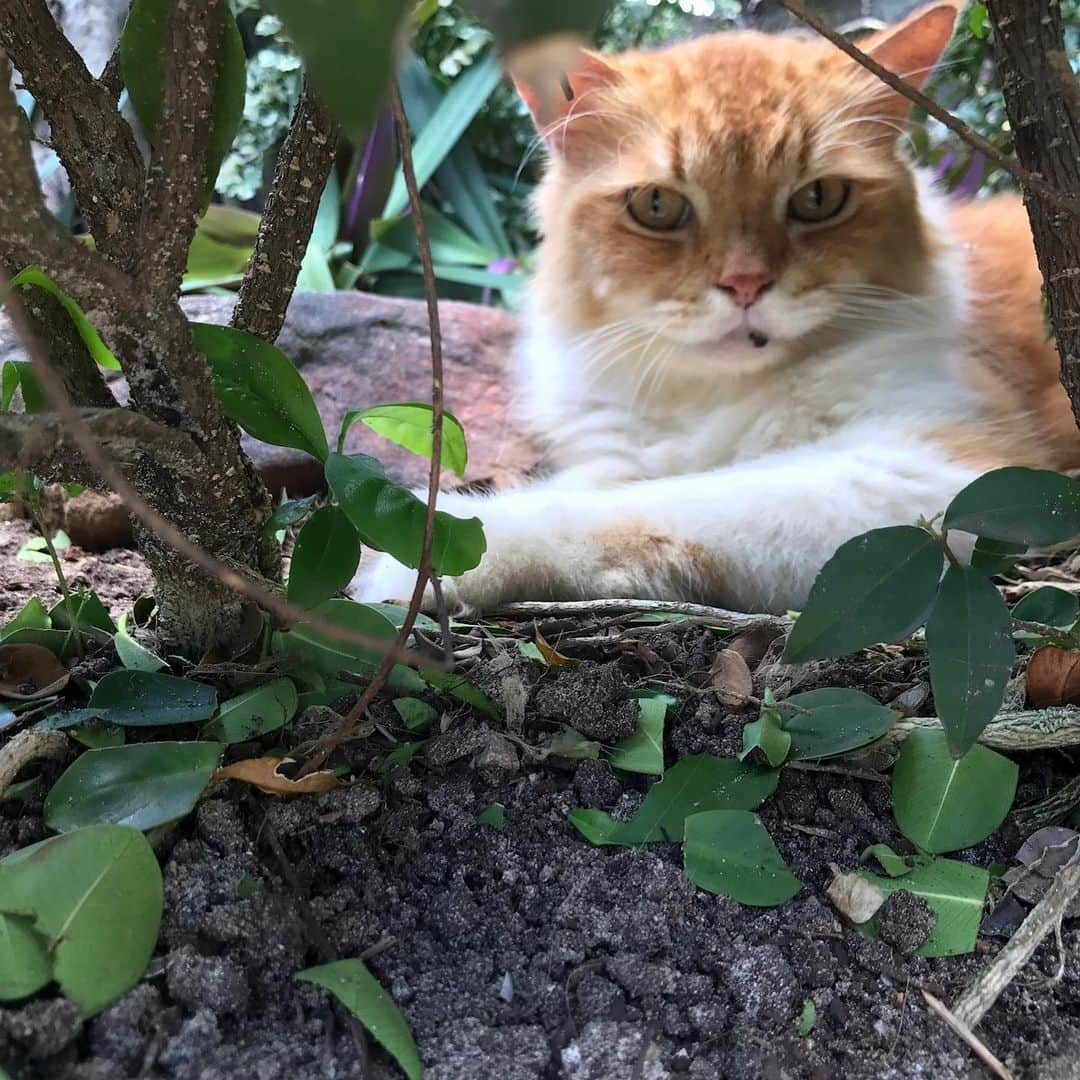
[(525, 952)]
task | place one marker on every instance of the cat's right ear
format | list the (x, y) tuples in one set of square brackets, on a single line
[(559, 86)]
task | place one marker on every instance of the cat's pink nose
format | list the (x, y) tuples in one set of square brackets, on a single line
[(745, 287)]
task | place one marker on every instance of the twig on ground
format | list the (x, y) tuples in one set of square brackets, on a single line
[(1022, 176), (965, 1033), (1050, 810), (1037, 729), (28, 746), (737, 620), (977, 1000)]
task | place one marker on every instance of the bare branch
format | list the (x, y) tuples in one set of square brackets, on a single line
[(95, 144), (1024, 177), (176, 185), (303, 166)]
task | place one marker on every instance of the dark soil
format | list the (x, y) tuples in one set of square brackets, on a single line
[(527, 953)]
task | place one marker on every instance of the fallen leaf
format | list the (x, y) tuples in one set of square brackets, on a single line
[(30, 671), (730, 679), (1041, 856), (1053, 677), (854, 897), (265, 775), (552, 656), (752, 645)]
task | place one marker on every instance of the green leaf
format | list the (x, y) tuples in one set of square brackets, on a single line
[(329, 655), (255, 712), (357, 989), (766, 735), (1049, 605), (97, 736), (85, 613), (945, 804), (450, 244), (142, 786), (143, 60), (969, 640), (325, 557), (877, 587), (807, 1018), (31, 616), (515, 24), (400, 758), (289, 512), (260, 389), (416, 715), (96, 893), (977, 20), (141, 699), (494, 815), (19, 373), (823, 723), (955, 891), (391, 518), (730, 852), (34, 275), (698, 782), (1022, 506), (894, 865), (132, 655), (459, 687), (221, 248), (455, 112), (643, 752), (349, 49), (995, 557), (25, 964), (396, 614), (409, 425)]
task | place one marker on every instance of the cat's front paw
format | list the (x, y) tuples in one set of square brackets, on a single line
[(385, 580)]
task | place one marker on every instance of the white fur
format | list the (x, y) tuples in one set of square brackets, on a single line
[(763, 461)]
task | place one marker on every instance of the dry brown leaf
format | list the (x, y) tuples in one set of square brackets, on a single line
[(552, 656), (854, 897), (264, 773), (1053, 677), (730, 679), (752, 645), (28, 672)]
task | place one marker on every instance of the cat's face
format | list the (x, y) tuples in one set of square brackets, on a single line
[(714, 203)]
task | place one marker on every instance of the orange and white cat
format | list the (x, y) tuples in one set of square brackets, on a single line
[(754, 329)]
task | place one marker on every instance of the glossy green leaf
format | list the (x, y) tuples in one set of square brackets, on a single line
[(19, 374), (767, 737), (132, 655), (358, 990), (696, 783), (877, 587), (142, 785), (25, 964), (1022, 506), (516, 24), (823, 723), (943, 803), (458, 686), (400, 757), (396, 614), (96, 736), (494, 816), (1049, 605), (34, 275), (807, 1018), (257, 711), (969, 640), (995, 557), (329, 655), (260, 389), (325, 557), (415, 714), (409, 425), (84, 612), (643, 751), (143, 59), (291, 512), (221, 247), (730, 852), (391, 518), (141, 699), (31, 616), (97, 894), (349, 49), (955, 891), (394, 244), (894, 865)]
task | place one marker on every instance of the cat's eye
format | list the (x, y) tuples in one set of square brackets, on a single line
[(658, 208), (819, 201)]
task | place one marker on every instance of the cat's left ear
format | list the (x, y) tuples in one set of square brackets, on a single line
[(914, 45)]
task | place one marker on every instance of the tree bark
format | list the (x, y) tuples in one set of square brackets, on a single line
[(1042, 98)]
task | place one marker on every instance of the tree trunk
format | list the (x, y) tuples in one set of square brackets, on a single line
[(1042, 98)]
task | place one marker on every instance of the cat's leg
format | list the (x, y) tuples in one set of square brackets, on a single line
[(751, 536)]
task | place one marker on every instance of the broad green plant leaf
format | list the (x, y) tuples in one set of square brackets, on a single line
[(394, 244), (823, 723), (995, 557), (459, 687), (25, 964), (400, 758), (96, 736), (409, 425), (415, 714), (141, 699), (97, 895), (1049, 605), (143, 785), (391, 518), (943, 803), (84, 613), (19, 374), (969, 640), (956, 892), (349, 50), (31, 616), (132, 655), (518, 24), (643, 751), (255, 712), (221, 248), (325, 557), (328, 655), (697, 783), (34, 275), (767, 736), (494, 816), (359, 991), (730, 852), (877, 587), (143, 59), (259, 388), (1022, 506), (894, 865), (291, 512)]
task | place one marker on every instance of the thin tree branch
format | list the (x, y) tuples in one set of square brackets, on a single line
[(981, 1050), (94, 142), (303, 166), (1024, 177)]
